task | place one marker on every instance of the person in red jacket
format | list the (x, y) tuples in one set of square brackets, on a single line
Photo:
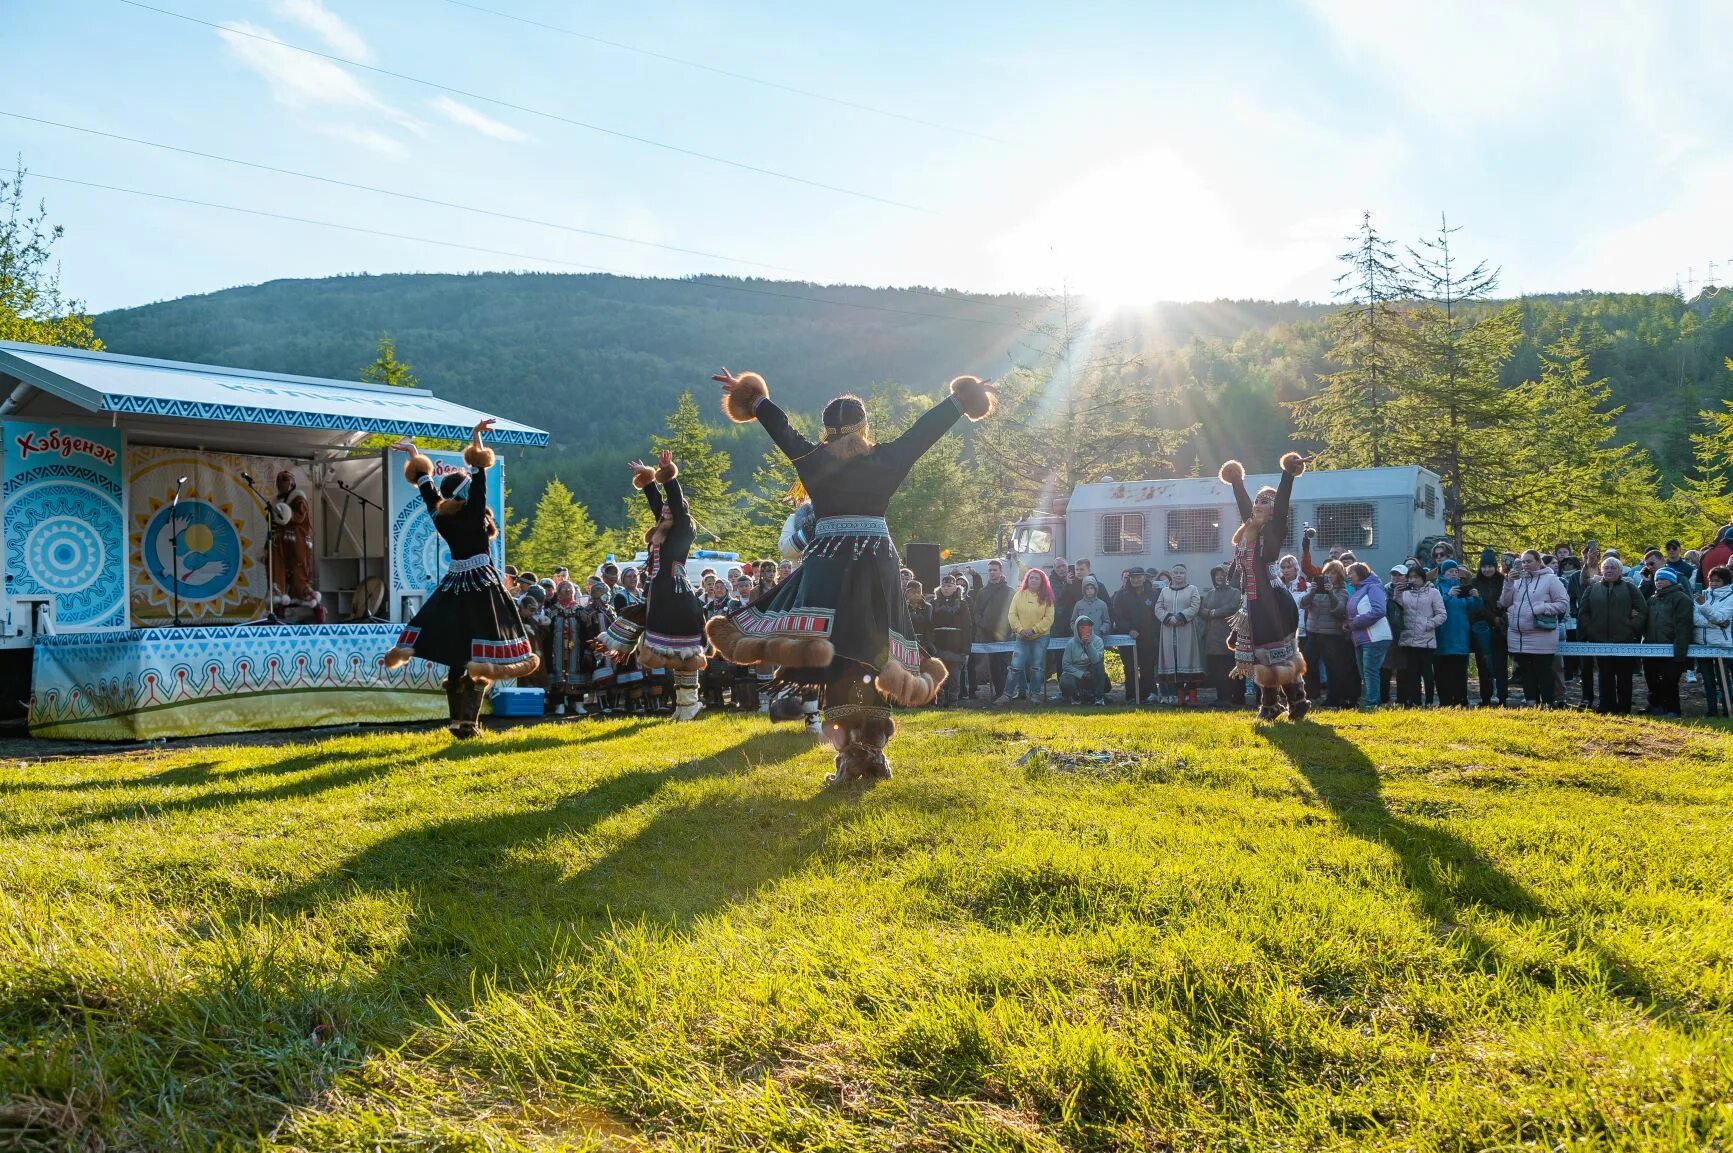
[(1716, 555)]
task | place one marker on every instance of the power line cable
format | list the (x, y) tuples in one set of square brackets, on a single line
[(528, 110), (711, 68), (958, 297), (693, 282), (417, 197)]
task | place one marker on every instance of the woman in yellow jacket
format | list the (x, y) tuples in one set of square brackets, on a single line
[(1031, 616)]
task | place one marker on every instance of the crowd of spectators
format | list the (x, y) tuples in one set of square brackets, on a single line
[(1431, 632)]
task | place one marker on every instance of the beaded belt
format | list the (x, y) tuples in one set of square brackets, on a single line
[(851, 526), (470, 563)]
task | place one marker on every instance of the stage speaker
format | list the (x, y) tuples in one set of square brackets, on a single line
[(923, 561)]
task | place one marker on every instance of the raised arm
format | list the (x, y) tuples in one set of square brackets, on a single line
[(644, 480), (479, 458), (668, 473), (1293, 464), (1233, 474), (969, 397), (746, 398)]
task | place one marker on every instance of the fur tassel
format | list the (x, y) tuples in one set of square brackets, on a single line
[(643, 478), (975, 397), (739, 404), (1278, 676), (1232, 472), (398, 656), (478, 456), (738, 648), (649, 658), (416, 467), (486, 672), (664, 475), (1293, 463), (911, 690), (450, 507)]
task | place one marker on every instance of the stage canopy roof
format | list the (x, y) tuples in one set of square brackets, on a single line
[(166, 397)]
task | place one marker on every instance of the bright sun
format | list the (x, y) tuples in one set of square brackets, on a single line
[(1142, 229)]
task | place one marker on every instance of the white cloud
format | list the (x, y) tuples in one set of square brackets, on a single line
[(336, 32), (371, 139), (298, 80), (463, 115)]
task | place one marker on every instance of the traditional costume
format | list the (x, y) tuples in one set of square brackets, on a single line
[(667, 628), (470, 623), (292, 543), (839, 622), (1265, 633)]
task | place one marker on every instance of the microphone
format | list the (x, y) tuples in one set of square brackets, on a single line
[(247, 476), (177, 497)]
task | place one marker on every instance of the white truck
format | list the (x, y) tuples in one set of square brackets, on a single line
[(1380, 514)]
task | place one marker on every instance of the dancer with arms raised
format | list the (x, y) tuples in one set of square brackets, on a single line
[(667, 627), (469, 624), (1265, 637), (839, 622)]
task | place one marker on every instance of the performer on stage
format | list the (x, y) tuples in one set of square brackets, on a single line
[(839, 622), (292, 543), (667, 626), (469, 624), (1265, 634)]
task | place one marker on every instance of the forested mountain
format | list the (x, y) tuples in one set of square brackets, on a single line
[(600, 360)]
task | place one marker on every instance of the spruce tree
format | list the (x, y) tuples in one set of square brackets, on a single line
[(703, 476), (562, 533), (387, 369)]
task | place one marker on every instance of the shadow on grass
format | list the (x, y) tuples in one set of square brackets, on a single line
[(499, 900), (1446, 874)]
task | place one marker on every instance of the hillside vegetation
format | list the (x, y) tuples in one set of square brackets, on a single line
[(600, 360), (1447, 932)]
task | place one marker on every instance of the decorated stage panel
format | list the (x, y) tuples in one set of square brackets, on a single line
[(62, 525), (144, 683)]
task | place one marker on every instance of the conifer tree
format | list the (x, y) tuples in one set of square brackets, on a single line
[(1453, 415), (703, 475), (562, 533), (387, 369), (1370, 345)]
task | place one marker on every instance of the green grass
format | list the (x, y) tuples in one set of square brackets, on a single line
[(1425, 931)]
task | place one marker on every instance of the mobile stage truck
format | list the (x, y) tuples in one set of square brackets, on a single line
[(145, 540)]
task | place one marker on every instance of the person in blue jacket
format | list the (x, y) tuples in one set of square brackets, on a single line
[(1461, 606)]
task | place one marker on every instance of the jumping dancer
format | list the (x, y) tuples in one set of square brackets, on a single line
[(667, 626), (469, 624), (1265, 634), (839, 622)]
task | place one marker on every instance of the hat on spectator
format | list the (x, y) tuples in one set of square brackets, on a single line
[(1399, 568), (1488, 558), (1448, 566), (1666, 574), (1136, 570)]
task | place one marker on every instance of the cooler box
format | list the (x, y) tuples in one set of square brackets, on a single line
[(518, 702)]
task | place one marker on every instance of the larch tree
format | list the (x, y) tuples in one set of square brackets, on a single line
[(1371, 345), (1453, 414), (33, 309)]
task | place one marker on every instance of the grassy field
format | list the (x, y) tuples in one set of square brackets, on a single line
[(1372, 932)]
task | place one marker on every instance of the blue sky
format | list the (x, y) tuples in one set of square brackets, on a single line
[(1136, 151)]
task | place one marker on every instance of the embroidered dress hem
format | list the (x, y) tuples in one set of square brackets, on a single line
[(470, 622)]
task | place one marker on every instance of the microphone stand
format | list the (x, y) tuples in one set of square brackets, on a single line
[(174, 552), (270, 617), (366, 557)]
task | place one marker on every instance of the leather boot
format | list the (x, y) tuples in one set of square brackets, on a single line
[(469, 716), (1298, 704), (454, 700)]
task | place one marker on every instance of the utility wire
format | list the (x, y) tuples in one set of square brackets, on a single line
[(711, 68), (526, 109), (388, 191), (958, 297), (694, 282)]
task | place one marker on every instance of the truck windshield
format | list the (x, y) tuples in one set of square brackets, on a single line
[(1034, 539)]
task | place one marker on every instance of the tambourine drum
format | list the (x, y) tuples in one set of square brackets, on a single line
[(281, 512)]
